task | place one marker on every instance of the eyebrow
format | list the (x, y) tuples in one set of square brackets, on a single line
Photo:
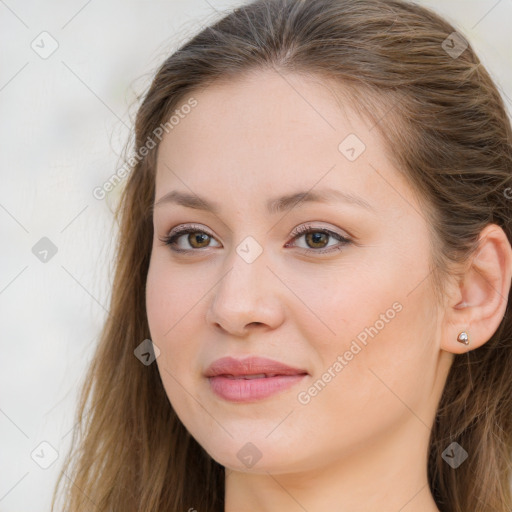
[(274, 206)]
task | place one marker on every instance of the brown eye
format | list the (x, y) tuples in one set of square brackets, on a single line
[(199, 238), (317, 239), (196, 239)]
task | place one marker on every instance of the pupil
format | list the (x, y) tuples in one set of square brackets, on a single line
[(318, 238), (198, 238)]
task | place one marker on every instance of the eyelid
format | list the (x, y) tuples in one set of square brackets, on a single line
[(308, 226), (182, 228)]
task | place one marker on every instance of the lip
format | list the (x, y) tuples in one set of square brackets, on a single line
[(226, 378)]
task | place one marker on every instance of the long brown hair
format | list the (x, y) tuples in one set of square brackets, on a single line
[(447, 131)]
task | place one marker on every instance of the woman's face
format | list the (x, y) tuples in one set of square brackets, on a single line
[(355, 319)]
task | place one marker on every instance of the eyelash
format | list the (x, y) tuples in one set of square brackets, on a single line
[(171, 240)]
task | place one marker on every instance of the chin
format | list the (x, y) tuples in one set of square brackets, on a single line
[(260, 457)]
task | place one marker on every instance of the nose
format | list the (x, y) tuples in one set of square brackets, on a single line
[(247, 297)]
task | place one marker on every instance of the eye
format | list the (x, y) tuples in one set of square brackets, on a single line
[(197, 238), (316, 238)]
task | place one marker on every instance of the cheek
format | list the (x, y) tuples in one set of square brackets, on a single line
[(339, 303), (372, 387), (170, 312), (167, 296), (381, 331)]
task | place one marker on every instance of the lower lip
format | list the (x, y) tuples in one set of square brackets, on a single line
[(249, 390)]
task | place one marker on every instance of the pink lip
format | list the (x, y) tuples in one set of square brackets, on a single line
[(226, 377)]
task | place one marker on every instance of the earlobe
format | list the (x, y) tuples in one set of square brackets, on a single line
[(481, 295)]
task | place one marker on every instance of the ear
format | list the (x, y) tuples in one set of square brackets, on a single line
[(477, 302)]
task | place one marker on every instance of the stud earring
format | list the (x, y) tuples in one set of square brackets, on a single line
[(463, 338)]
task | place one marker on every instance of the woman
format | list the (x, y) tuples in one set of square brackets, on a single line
[(310, 303)]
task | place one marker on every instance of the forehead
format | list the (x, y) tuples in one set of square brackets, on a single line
[(266, 131), (271, 105)]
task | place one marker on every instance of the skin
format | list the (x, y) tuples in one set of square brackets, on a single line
[(360, 444)]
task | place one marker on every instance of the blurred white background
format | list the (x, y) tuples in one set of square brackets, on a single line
[(65, 118)]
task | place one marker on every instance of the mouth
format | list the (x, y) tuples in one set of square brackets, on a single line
[(250, 367), (251, 379), (252, 388), (254, 376)]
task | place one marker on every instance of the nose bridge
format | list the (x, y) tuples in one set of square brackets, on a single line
[(246, 273), (245, 293)]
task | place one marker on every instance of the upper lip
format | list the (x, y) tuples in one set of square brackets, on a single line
[(250, 366)]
